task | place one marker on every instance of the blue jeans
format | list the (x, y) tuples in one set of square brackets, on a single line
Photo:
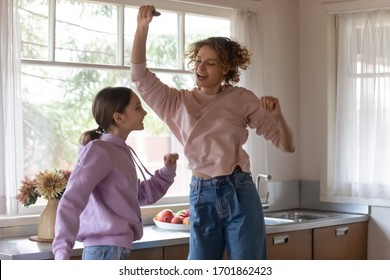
[(106, 253), (226, 212)]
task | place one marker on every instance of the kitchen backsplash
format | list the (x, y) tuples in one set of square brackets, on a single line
[(310, 199)]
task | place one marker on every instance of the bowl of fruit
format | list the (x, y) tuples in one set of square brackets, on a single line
[(166, 219)]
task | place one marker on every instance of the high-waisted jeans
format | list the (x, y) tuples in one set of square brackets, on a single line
[(226, 212)]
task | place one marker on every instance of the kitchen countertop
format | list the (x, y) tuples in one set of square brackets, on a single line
[(334, 219), (21, 248)]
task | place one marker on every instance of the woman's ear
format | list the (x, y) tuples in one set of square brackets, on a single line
[(225, 70)]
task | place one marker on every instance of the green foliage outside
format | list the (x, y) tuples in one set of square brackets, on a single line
[(57, 100)]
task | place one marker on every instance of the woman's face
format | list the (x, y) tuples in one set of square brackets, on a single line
[(209, 71)]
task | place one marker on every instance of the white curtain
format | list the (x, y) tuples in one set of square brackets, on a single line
[(244, 29), (362, 145), (11, 141)]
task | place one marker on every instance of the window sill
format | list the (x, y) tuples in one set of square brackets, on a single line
[(18, 220)]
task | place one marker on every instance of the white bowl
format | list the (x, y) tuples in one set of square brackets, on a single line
[(170, 226)]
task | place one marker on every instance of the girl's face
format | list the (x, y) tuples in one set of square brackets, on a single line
[(209, 71), (132, 118)]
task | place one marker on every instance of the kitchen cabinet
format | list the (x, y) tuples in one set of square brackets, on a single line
[(176, 252), (156, 253), (342, 242), (290, 245)]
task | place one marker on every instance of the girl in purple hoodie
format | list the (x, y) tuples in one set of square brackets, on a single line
[(101, 203)]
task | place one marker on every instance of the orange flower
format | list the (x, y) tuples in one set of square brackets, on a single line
[(47, 184)]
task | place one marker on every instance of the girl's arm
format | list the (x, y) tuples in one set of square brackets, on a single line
[(156, 187)]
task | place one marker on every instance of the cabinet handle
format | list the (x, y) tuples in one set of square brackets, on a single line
[(280, 239), (342, 231)]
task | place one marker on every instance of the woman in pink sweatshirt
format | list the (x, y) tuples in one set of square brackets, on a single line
[(101, 203), (211, 121)]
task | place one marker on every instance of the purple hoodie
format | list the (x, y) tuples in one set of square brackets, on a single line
[(101, 204)]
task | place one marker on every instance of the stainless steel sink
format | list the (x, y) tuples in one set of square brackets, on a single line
[(269, 221), (284, 217)]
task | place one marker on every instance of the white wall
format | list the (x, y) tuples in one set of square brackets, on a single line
[(312, 79), (279, 24)]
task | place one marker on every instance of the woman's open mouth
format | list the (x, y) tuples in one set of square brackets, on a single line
[(201, 77)]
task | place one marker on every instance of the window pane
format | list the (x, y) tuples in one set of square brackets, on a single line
[(162, 43), (57, 109), (33, 17), (157, 140), (201, 27), (86, 32), (57, 99)]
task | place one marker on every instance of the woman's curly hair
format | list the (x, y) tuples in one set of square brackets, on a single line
[(232, 54)]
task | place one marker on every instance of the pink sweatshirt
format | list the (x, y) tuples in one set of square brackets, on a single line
[(212, 128), (101, 203)]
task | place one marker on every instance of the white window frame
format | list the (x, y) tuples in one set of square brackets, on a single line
[(219, 8), (29, 215)]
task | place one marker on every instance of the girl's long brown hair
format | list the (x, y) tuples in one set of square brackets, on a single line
[(107, 102)]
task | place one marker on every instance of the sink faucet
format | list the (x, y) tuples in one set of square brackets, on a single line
[(266, 177)]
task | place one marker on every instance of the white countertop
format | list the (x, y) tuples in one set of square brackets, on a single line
[(21, 248)]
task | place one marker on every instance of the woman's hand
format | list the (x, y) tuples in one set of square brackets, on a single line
[(145, 15), (170, 159), (272, 105), (286, 142)]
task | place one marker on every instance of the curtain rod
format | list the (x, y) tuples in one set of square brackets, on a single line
[(252, 5), (355, 6)]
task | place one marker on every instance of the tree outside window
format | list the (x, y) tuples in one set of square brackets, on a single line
[(69, 55)]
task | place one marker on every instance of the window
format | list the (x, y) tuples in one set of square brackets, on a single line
[(72, 49), (362, 152)]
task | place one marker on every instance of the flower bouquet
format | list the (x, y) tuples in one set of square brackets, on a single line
[(49, 184)]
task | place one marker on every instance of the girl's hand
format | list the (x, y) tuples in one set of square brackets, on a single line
[(170, 159)]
